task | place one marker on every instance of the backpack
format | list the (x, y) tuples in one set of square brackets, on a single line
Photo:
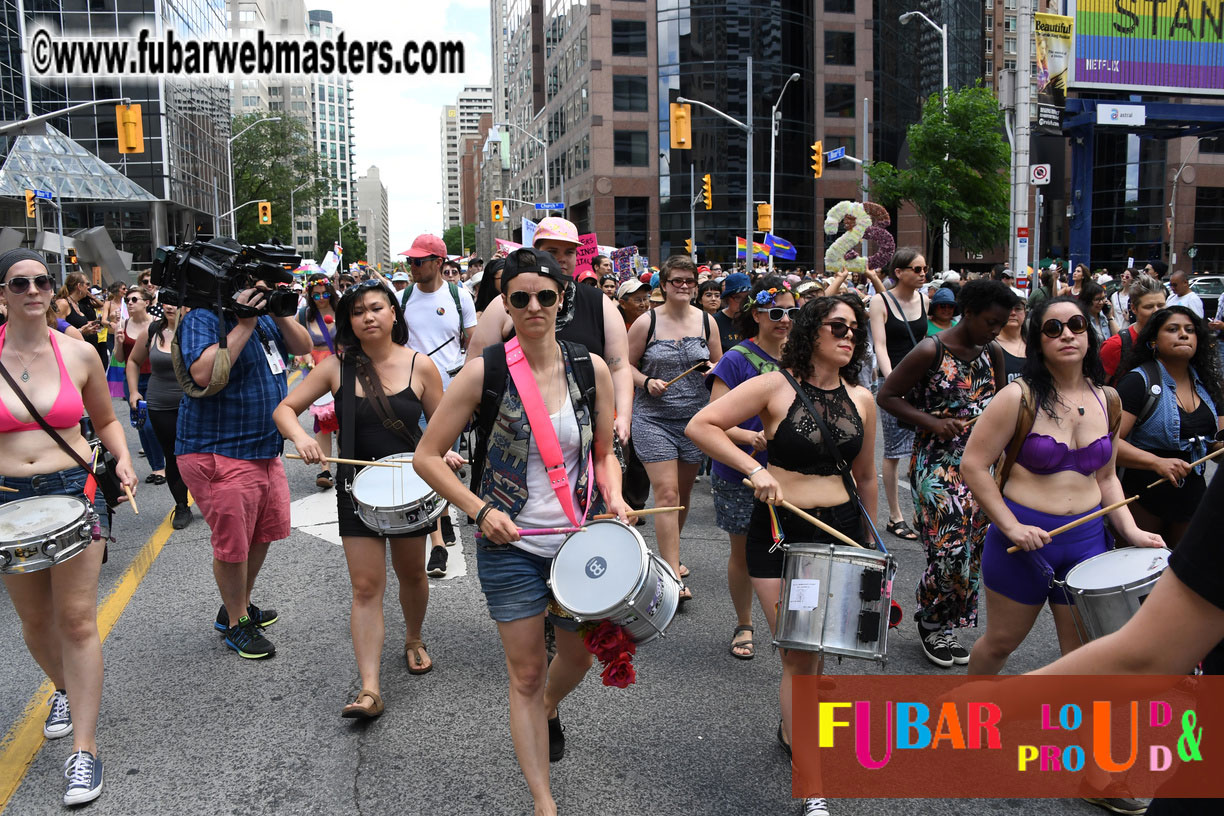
[(454, 290), (1150, 371), (759, 363), (1124, 338), (496, 375)]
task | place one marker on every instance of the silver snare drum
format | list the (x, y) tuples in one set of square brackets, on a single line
[(41, 531), (606, 573), (836, 600), (395, 500), (1108, 589)]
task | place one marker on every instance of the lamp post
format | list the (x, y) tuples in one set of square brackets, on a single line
[(229, 160), (293, 211), (943, 40), (340, 235), (1172, 251), (775, 119), (543, 144)]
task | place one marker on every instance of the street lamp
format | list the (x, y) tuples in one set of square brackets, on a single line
[(774, 120), (340, 234), (943, 39), (537, 140), (293, 211), (1172, 252), (229, 159)]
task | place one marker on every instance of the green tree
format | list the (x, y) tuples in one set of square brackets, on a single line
[(351, 241), (969, 188), (456, 243), (270, 161)]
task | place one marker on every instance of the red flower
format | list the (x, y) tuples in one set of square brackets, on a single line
[(603, 641), (619, 672)]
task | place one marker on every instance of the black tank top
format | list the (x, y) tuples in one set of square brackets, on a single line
[(796, 444), (897, 338), (372, 440)]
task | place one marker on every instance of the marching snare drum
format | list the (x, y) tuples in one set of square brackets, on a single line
[(395, 500), (606, 573), (836, 600), (1108, 589), (41, 531)]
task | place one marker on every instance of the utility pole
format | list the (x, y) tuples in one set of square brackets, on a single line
[(1023, 128)]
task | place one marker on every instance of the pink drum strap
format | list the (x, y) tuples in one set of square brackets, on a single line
[(544, 432)]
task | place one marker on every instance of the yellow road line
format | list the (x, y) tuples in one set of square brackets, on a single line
[(23, 741)]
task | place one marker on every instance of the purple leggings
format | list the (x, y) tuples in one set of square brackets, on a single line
[(1025, 577)]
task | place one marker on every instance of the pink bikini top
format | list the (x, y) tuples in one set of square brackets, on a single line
[(68, 408), (1043, 454)]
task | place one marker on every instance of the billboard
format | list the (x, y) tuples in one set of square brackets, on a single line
[(1053, 41), (1148, 46)]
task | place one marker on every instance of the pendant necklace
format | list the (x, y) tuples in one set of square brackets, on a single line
[(1080, 407), (25, 367)]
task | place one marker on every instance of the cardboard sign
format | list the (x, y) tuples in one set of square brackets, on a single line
[(623, 262), (587, 252), (529, 231)]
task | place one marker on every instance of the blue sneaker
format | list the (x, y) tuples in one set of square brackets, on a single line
[(262, 617), (84, 774), (247, 639), (59, 721)]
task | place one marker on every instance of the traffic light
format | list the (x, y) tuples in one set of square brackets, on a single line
[(707, 191), (688, 246), (130, 128), (764, 218), (265, 213), (496, 207), (72, 257), (681, 126), (817, 159), (31, 207)]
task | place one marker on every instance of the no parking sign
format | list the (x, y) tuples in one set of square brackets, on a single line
[(1039, 174)]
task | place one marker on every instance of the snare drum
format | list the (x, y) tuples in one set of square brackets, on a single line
[(606, 573), (1108, 589), (395, 500), (836, 599), (42, 531)]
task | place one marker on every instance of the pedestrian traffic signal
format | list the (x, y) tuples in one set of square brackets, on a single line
[(130, 128), (681, 126), (265, 213), (31, 207), (764, 218), (497, 208), (817, 159), (707, 191), (688, 246)]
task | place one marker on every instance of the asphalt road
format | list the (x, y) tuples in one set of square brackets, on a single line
[(187, 727)]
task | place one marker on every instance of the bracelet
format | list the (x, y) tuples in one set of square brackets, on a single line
[(484, 511), (646, 384), (756, 470)]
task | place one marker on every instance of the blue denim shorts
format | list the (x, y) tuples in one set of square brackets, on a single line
[(515, 583), (68, 482), (732, 505)]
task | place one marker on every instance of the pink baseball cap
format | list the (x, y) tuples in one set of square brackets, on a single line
[(425, 246), (556, 229)]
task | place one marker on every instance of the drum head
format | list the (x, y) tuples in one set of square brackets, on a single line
[(596, 570), (39, 516), (1118, 568), (390, 486)]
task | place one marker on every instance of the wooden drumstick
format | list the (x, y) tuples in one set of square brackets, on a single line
[(685, 374), (4, 489), (543, 531), (815, 522), (649, 511), (349, 461), (1193, 464), (132, 499)]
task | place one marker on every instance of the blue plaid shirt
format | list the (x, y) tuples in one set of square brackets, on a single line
[(237, 420)]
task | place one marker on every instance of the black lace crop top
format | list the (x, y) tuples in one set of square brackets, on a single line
[(796, 444)]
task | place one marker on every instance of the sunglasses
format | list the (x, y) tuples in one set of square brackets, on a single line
[(840, 330), (321, 295), (683, 283), (777, 313), (21, 285), (545, 297), (134, 299), (921, 270), (422, 261), (1053, 328)]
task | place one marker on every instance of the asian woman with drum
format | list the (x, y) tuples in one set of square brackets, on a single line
[(826, 348), (387, 382), (516, 491), (62, 378), (1058, 425)]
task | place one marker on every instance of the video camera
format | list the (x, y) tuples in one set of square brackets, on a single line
[(211, 274)]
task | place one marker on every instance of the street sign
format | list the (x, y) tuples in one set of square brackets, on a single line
[(1022, 232), (835, 154), (44, 194), (549, 205), (1039, 174)]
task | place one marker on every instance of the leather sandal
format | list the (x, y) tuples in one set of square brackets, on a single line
[(743, 644), (415, 654), (356, 711)]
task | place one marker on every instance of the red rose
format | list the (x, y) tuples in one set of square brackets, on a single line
[(624, 643), (619, 672), (604, 641)]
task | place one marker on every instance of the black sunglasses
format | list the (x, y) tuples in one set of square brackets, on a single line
[(21, 285), (134, 299), (545, 297), (422, 261), (1053, 328), (840, 330), (777, 313)]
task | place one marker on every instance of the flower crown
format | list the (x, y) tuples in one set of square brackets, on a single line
[(769, 297)]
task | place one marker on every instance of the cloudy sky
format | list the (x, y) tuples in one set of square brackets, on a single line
[(397, 120)]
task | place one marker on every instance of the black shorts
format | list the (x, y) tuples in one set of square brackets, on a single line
[(1168, 502), (845, 518), (352, 525)]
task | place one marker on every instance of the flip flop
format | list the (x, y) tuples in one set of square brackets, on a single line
[(356, 711), (743, 644), (684, 589), (416, 655), (684, 572)]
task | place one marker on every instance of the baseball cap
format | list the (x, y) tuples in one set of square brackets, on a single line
[(534, 261), (426, 245), (586, 274), (556, 229), (943, 296), (735, 283), (628, 288), (401, 276)]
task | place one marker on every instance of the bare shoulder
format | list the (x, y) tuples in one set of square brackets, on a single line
[(864, 400)]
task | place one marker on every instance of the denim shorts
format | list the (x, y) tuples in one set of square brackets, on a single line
[(515, 584), (732, 505), (67, 482)]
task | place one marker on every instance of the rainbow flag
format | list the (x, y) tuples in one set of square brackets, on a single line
[(759, 251)]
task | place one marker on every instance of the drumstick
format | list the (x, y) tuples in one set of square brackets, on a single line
[(685, 374), (815, 522), (348, 461), (4, 489), (1193, 464), (132, 499), (649, 511), (543, 531)]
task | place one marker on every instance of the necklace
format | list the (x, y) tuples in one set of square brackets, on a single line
[(25, 367)]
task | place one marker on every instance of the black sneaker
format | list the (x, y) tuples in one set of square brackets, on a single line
[(247, 639), (556, 739), (960, 655), (262, 617), (182, 517), (436, 567), (935, 647), (1130, 807), (448, 530)]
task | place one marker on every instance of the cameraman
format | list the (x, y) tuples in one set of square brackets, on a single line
[(229, 451)]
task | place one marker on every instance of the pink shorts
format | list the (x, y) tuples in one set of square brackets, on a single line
[(243, 501)]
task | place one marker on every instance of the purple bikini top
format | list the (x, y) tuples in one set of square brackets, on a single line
[(1043, 454)]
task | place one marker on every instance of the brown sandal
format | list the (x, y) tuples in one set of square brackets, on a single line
[(356, 711), (416, 656)]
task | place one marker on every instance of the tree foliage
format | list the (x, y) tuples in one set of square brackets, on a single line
[(456, 243), (270, 161), (969, 188), (352, 243)]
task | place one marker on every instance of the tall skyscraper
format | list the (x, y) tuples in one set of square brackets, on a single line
[(333, 116), (460, 122), (373, 219)]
